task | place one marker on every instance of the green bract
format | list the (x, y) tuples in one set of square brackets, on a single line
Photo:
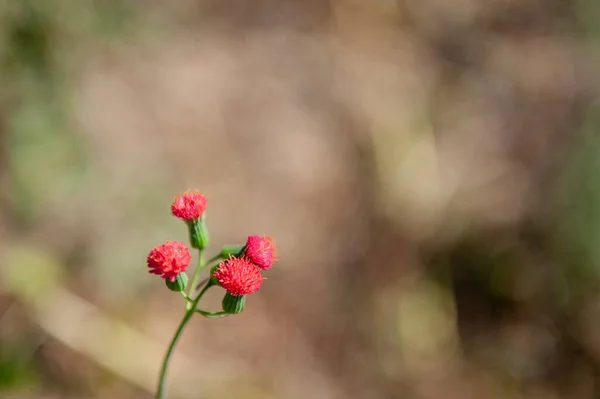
[(233, 304), (179, 284)]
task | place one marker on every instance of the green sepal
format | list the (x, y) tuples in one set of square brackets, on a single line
[(233, 304), (179, 284), (232, 250), (199, 237)]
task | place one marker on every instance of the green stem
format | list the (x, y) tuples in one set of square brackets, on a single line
[(195, 285), (209, 315), (206, 287), (212, 315), (214, 258), (160, 394), (189, 312), (195, 277), (201, 283), (187, 298)]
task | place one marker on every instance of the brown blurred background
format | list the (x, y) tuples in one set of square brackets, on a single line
[(428, 168)]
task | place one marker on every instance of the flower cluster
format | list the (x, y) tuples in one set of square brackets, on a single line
[(239, 274), (236, 268)]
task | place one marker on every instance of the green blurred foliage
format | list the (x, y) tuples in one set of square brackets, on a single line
[(46, 159), (577, 238)]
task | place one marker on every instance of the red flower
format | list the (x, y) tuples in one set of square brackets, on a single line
[(239, 276), (261, 251), (189, 205), (169, 259)]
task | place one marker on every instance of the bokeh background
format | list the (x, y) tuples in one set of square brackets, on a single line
[(428, 168)]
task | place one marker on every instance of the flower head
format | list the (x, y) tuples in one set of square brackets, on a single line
[(169, 259), (189, 205), (261, 251), (239, 276)]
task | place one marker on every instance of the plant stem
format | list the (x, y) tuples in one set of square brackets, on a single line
[(195, 278), (214, 258), (212, 315), (195, 285), (160, 394), (190, 310), (187, 298)]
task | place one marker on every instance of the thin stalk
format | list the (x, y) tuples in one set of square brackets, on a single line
[(207, 263), (214, 258), (195, 279), (187, 298), (190, 310), (160, 393), (212, 315)]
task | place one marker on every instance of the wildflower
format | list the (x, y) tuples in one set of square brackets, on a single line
[(189, 205), (239, 276), (169, 259), (261, 251)]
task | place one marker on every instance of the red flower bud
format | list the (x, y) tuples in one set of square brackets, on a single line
[(261, 251), (169, 259), (189, 205), (239, 276)]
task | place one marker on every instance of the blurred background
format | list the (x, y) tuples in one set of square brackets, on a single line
[(429, 170)]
